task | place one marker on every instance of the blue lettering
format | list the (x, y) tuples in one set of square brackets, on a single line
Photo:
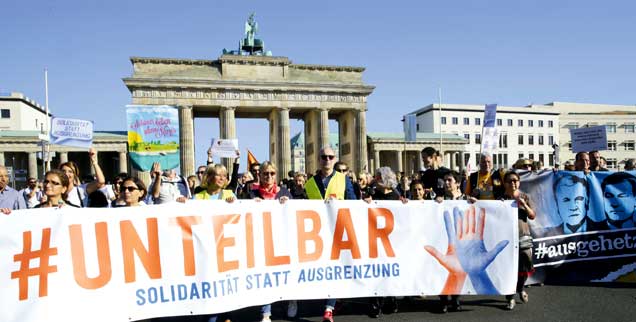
[(140, 297)]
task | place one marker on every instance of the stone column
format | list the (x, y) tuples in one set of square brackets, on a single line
[(323, 139), (361, 138), (2, 158), (186, 140), (376, 161), (63, 157), (462, 161), (284, 151), (400, 161), (227, 125), (33, 165), (123, 162)]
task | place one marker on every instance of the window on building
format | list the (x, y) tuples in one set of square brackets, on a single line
[(520, 156), (629, 128), (499, 122), (531, 156), (550, 123), (551, 160), (542, 158), (509, 122), (443, 119), (417, 127), (629, 145), (6, 113), (467, 136), (540, 123), (611, 127), (520, 139), (477, 138), (531, 139), (572, 125), (455, 121), (477, 121), (503, 140), (611, 163), (611, 145), (550, 140), (530, 123), (541, 142), (569, 145), (519, 122), (466, 121)]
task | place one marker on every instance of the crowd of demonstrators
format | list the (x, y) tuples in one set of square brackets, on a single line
[(334, 180)]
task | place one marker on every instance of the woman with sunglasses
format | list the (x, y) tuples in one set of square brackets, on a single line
[(268, 189), (512, 192), (78, 193), (132, 192), (56, 186)]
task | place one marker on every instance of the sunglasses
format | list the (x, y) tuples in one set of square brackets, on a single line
[(201, 172), (129, 188), (327, 157), (55, 183), (342, 170), (511, 181), (269, 173)]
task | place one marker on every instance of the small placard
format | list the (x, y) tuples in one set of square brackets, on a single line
[(587, 139), (225, 148)]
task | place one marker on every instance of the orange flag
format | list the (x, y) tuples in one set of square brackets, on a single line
[(251, 159)]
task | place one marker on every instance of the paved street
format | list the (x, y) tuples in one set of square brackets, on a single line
[(547, 303)]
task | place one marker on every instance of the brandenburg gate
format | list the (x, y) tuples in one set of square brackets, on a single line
[(259, 86)]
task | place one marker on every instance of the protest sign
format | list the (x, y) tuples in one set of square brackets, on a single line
[(71, 132), (587, 139), (153, 136), (225, 148), (584, 229), (203, 257)]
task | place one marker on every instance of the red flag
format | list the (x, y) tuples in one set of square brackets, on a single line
[(251, 159)]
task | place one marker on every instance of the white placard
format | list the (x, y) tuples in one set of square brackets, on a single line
[(72, 132), (587, 139), (225, 148)]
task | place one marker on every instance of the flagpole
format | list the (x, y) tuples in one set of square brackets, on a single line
[(441, 151), (46, 104)]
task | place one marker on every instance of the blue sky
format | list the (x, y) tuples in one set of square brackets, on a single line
[(505, 52)]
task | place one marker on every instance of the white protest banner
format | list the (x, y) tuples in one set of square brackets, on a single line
[(202, 257), (225, 148), (587, 139), (71, 132)]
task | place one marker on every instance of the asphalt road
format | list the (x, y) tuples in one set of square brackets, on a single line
[(547, 303)]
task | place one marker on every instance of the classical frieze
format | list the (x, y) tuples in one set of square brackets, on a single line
[(248, 95)]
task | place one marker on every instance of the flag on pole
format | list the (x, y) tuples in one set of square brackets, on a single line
[(251, 159), (410, 128), (489, 133)]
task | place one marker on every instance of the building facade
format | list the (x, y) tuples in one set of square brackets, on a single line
[(619, 120), (524, 132)]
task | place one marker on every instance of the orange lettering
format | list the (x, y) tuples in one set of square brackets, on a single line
[(344, 223), (249, 240), (131, 244), (79, 258), (270, 258), (186, 222), (382, 234), (304, 236), (222, 242)]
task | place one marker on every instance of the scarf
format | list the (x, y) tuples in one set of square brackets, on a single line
[(268, 194)]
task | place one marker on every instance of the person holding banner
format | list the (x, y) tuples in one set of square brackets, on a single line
[(78, 193), (167, 186), (512, 183), (325, 185), (268, 189), (56, 186), (214, 185), (485, 184)]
